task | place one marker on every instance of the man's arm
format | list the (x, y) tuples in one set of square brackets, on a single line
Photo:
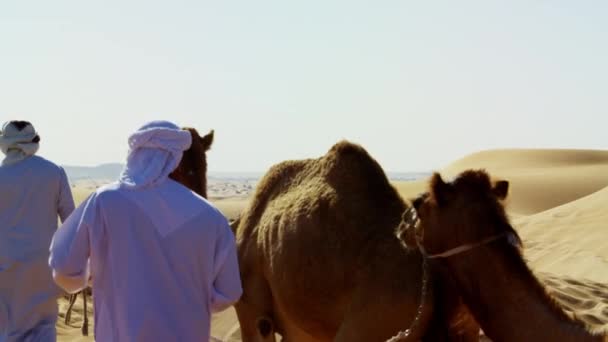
[(70, 248), (66, 201), (227, 288)]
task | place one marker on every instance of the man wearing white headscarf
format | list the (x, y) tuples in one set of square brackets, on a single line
[(162, 258), (33, 193)]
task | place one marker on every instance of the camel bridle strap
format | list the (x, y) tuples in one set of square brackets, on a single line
[(460, 249), (413, 217), (405, 335)]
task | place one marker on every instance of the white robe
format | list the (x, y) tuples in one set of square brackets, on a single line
[(33, 193), (162, 260)]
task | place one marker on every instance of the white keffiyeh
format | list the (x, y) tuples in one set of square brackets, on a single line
[(155, 150), (17, 144)]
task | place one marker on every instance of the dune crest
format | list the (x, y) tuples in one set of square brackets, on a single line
[(570, 239), (541, 178)]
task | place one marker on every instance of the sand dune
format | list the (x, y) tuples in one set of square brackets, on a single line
[(570, 239), (541, 179), (559, 205)]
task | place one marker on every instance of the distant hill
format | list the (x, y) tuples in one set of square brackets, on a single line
[(101, 172), (407, 176), (112, 171)]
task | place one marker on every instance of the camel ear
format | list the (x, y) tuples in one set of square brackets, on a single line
[(442, 192), (501, 189), (207, 140)]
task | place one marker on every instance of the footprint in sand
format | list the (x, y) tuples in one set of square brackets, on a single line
[(601, 294), (575, 282), (591, 319), (555, 284), (586, 300), (570, 301)]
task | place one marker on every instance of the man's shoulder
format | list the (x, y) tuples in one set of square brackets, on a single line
[(108, 188), (43, 162), (42, 166), (107, 191), (184, 193), (191, 197)]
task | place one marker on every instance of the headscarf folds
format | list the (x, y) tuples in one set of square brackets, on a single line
[(18, 141), (155, 150)]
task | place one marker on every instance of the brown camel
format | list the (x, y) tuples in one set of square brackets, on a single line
[(192, 170), (320, 261), (464, 230), (192, 173)]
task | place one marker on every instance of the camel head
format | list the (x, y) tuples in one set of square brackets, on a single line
[(464, 212), (192, 170)]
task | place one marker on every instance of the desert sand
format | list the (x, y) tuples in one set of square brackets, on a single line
[(558, 202)]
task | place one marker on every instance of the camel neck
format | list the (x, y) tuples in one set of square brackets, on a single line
[(509, 302)]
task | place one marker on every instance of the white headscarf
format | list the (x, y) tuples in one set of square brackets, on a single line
[(17, 144), (155, 150)]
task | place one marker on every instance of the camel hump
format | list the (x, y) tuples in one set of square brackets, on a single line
[(346, 167), (346, 171), (345, 146), (350, 164)]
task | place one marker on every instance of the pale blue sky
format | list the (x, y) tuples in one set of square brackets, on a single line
[(418, 83)]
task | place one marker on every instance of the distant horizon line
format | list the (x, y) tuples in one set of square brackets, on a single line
[(499, 149), (224, 171)]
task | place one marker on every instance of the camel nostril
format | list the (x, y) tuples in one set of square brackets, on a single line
[(264, 327)]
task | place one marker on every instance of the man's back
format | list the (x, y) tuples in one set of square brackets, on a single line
[(31, 199), (161, 257), (155, 255), (34, 193)]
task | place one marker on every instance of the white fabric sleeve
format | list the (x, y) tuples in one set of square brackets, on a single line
[(70, 249), (65, 203), (227, 287)]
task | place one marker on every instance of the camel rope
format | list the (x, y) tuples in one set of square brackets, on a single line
[(68, 313), (404, 334)]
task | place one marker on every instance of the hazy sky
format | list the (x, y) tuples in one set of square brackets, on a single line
[(418, 83)]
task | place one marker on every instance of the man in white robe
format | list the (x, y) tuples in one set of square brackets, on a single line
[(33, 193), (161, 257)]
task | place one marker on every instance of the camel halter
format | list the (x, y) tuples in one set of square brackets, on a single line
[(403, 335), (458, 249), (413, 215)]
